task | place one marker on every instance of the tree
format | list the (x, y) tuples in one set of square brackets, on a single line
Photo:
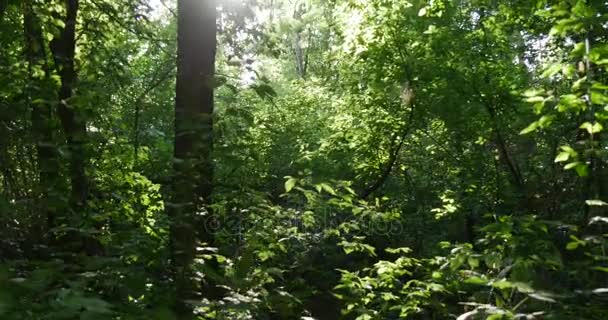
[(369, 159), (49, 181), (193, 175), (63, 48)]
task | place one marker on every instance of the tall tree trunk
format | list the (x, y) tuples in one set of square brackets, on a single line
[(193, 169), (48, 166), (74, 126), (299, 55)]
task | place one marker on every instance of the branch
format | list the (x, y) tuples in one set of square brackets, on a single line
[(391, 160)]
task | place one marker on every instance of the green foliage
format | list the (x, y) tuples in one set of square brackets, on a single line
[(492, 280), (372, 159)]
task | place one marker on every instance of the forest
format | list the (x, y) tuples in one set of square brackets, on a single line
[(303, 159)]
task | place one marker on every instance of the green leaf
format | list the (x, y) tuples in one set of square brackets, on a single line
[(328, 189), (473, 262), (476, 280), (571, 165), (502, 284), (596, 203), (535, 99), (572, 245), (533, 92), (264, 91), (582, 170), (523, 287), (552, 70), (592, 128), (542, 297), (562, 156), (598, 98), (402, 250), (290, 183), (532, 127), (598, 219), (569, 149)]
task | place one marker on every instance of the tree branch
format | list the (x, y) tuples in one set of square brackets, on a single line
[(391, 160)]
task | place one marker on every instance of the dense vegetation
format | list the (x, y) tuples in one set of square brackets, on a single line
[(305, 159)]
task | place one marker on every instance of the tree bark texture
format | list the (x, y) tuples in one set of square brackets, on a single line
[(193, 168)]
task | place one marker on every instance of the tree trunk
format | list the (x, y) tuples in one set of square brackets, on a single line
[(193, 168), (48, 166), (3, 5), (74, 126), (299, 55), (297, 42)]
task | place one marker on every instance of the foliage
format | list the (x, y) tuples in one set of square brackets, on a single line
[(372, 159)]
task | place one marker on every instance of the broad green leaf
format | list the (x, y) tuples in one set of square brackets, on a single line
[(476, 280), (328, 189), (596, 203), (592, 128), (582, 170), (502, 284), (552, 70), (542, 297), (290, 183), (532, 127), (569, 149), (598, 219), (562, 156), (572, 165), (473, 262), (602, 269), (598, 97)]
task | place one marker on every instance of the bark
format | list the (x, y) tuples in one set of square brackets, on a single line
[(48, 166), (297, 43), (74, 126), (193, 169), (3, 6), (299, 55)]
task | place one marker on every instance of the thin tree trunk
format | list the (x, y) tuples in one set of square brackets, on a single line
[(74, 126), (299, 55), (47, 163), (193, 169), (514, 173), (297, 42)]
